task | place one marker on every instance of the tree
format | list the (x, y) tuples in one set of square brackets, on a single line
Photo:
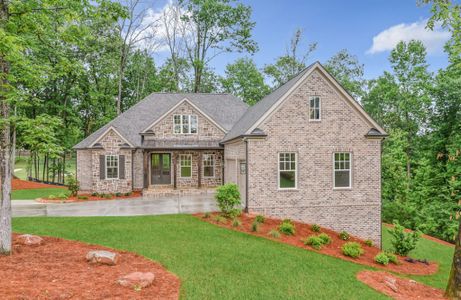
[(244, 80), (290, 64), (216, 26), (347, 69)]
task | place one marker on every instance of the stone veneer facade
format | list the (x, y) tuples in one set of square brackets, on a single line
[(356, 210)]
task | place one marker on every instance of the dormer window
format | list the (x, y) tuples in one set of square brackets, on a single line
[(314, 108), (185, 124)]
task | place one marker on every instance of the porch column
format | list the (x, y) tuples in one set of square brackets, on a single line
[(199, 169), (146, 168), (175, 163)]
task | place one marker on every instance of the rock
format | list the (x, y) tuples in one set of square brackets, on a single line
[(391, 283), (102, 257), (137, 280), (30, 240)]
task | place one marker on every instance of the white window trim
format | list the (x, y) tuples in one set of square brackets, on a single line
[(320, 109), (180, 165), (214, 165), (350, 172), (278, 172), (181, 124), (118, 166)]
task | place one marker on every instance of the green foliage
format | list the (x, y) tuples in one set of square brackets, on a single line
[(220, 219), (127, 194), (62, 196), (52, 197), (315, 228), (403, 242), (206, 215), (254, 226), (260, 219), (72, 185), (274, 233), (236, 222), (352, 249), (326, 239), (314, 241), (82, 197), (107, 196), (382, 258), (369, 243), (287, 227), (94, 194), (118, 194), (391, 257), (344, 236), (228, 199)]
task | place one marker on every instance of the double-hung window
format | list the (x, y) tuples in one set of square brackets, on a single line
[(185, 161), (185, 124), (287, 170), (314, 108), (111, 166), (208, 165), (342, 170)]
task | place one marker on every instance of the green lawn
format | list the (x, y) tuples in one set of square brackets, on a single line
[(216, 263), (20, 167), (36, 193)]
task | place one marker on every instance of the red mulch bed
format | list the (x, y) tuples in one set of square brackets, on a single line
[(58, 270), (334, 249), (427, 237), (19, 184), (402, 289), (135, 194)]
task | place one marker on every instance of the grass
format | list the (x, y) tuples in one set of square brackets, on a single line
[(21, 167), (36, 193), (214, 262)]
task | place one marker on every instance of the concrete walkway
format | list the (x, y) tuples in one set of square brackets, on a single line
[(127, 207)]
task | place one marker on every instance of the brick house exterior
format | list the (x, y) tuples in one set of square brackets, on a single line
[(307, 151)]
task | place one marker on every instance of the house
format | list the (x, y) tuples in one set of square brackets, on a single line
[(308, 151)]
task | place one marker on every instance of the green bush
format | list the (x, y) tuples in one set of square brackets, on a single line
[(220, 219), (236, 222), (206, 215), (228, 199), (369, 243), (315, 228), (403, 242), (260, 219), (118, 194), (254, 226), (52, 197), (287, 228), (352, 249), (127, 194), (107, 196), (326, 239), (63, 196), (314, 241), (72, 185), (381, 258), (82, 197), (344, 236), (274, 233), (392, 257), (94, 194)]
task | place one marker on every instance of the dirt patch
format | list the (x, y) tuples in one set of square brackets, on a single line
[(19, 184), (89, 197), (398, 288), (333, 249), (427, 237), (58, 270)]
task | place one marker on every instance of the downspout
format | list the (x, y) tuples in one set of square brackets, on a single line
[(246, 175)]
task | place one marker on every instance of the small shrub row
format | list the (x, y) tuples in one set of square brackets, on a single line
[(352, 249), (385, 258), (315, 228), (108, 196), (344, 236), (317, 241), (287, 227), (62, 196), (274, 233)]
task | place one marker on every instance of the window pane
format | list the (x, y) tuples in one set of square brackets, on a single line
[(185, 124), (208, 171), (193, 124), (287, 166), (287, 179), (342, 178), (186, 171)]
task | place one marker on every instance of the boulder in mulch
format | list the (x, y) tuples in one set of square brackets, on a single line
[(137, 279), (30, 240), (102, 257)]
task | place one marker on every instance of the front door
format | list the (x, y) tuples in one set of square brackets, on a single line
[(161, 168)]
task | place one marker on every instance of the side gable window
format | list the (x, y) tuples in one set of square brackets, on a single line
[(342, 170), (287, 170), (111, 166), (314, 108), (185, 124)]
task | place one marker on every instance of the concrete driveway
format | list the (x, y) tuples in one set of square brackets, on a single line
[(126, 207)]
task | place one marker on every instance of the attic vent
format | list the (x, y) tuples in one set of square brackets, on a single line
[(98, 146)]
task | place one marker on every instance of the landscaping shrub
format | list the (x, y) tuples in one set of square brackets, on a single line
[(254, 226), (72, 185), (352, 249), (82, 197), (63, 196), (107, 196), (274, 233), (206, 215), (220, 219), (127, 194), (326, 239), (403, 242), (236, 222), (287, 227), (381, 258), (344, 236), (315, 228), (95, 194), (260, 219), (314, 241), (392, 257), (228, 199), (118, 194), (369, 243), (52, 197)]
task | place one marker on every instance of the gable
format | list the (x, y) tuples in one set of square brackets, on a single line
[(111, 137)]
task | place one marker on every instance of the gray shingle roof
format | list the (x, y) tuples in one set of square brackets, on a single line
[(224, 109), (255, 112)]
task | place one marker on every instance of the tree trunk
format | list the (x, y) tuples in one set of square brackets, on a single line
[(5, 150), (453, 290)]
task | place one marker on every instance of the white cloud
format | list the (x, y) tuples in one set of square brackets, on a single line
[(387, 39)]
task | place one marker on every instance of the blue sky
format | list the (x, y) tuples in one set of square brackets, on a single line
[(339, 24)]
